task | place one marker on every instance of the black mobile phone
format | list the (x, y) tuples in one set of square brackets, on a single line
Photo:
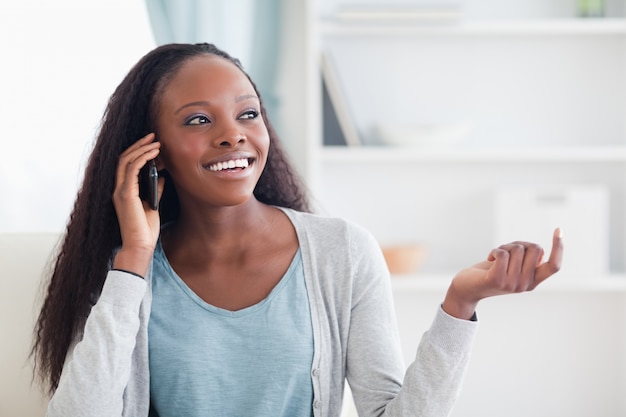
[(149, 184)]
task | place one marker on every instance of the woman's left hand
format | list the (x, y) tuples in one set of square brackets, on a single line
[(511, 268)]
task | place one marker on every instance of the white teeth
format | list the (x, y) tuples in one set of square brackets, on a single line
[(233, 163)]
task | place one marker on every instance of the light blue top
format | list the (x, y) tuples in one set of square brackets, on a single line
[(208, 361)]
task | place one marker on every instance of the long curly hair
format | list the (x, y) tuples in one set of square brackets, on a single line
[(92, 233)]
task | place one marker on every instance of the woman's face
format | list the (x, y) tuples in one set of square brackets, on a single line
[(214, 142)]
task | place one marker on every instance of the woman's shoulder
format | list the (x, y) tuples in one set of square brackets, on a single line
[(324, 221), (328, 228), (339, 248)]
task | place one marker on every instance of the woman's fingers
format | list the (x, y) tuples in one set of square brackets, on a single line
[(518, 265), (149, 138), (130, 163), (555, 260), (500, 259), (509, 274), (136, 221)]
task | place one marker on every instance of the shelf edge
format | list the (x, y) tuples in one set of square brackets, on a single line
[(382, 153), (564, 26), (612, 283)]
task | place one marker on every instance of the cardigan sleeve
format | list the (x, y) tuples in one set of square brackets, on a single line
[(380, 384), (97, 369), (433, 381)]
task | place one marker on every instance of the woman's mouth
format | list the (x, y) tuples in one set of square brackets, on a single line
[(231, 164)]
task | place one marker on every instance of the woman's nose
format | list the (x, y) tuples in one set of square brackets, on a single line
[(230, 136)]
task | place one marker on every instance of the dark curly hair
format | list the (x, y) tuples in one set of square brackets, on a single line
[(92, 234)]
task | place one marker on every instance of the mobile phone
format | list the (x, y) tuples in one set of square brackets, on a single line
[(149, 184)]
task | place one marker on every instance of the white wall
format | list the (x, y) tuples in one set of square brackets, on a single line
[(61, 62)]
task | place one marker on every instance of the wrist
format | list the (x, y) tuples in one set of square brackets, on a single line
[(133, 260), (457, 306)]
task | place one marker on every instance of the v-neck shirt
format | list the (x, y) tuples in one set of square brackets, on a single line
[(209, 361)]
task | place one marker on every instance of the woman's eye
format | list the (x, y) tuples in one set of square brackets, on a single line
[(249, 115), (198, 120)]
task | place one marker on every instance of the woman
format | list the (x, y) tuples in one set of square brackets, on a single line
[(232, 299)]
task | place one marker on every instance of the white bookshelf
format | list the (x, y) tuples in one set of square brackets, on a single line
[(547, 94)]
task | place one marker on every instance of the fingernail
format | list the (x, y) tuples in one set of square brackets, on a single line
[(559, 233)]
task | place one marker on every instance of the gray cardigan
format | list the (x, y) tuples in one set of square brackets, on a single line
[(354, 331)]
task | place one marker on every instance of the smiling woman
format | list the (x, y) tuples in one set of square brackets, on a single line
[(231, 297), (67, 56)]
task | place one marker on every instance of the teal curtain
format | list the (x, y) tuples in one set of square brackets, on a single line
[(246, 29)]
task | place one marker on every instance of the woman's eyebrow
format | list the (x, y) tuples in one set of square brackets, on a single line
[(192, 104), (207, 103), (246, 97)]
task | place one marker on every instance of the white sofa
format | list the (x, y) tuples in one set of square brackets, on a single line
[(23, 259)]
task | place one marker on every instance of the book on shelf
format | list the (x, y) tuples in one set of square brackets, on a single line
[(338, 111)]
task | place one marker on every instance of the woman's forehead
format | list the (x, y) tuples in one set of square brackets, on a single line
[(208, 74), (209, 67)]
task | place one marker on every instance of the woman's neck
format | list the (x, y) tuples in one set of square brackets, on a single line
[(224, 229)]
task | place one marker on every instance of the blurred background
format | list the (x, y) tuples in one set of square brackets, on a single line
[(445, 127)]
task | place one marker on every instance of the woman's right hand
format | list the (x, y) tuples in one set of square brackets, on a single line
[(139, 224)]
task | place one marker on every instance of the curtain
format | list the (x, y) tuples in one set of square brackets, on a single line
[(247, 29)]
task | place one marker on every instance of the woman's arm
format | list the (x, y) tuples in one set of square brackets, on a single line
[(379, 381), (433, 381), (97, 370)]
